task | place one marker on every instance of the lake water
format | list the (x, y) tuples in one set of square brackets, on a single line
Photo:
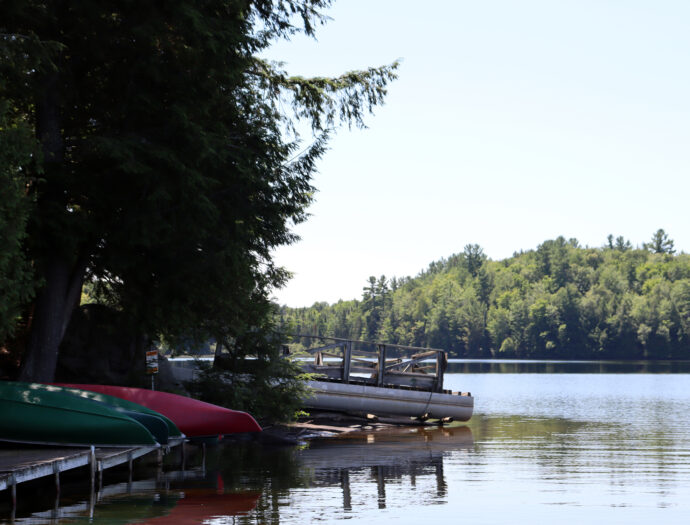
[(549, 443)]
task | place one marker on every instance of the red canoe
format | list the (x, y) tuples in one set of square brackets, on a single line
[(194, 418)]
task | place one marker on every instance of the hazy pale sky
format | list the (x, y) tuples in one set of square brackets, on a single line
[(511, 122)]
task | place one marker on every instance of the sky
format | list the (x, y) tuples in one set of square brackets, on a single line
[(511, 123)]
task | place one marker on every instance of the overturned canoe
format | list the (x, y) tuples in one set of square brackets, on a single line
[(159, 425), (194, 418), (44, 414)]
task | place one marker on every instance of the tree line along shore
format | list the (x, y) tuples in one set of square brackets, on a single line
[(558, 301)]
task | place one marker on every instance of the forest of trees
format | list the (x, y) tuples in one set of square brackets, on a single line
[(560, 301)]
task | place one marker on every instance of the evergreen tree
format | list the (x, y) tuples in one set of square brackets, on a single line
[(474, 257), (622, 245), (660, 243), (166, 176)]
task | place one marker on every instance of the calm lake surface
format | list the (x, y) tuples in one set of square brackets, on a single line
[(549, 442)]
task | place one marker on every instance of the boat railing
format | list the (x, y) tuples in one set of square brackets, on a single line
[(385, 365)]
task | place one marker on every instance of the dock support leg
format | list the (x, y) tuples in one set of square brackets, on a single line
[(130, 465), (380, 377), (13, 493), (345, 484), (347, 362), (56, 474), (92, 480), (92, 504), (183, 456), (380, 485), (92, 468)]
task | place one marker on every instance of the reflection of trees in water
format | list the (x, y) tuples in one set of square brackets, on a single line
[(497, 366), (351, 475), (636, 455)]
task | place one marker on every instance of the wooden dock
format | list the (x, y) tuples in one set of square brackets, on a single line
[(19, 465)]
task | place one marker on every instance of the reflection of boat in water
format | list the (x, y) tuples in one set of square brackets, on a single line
[(147, 501), (391, 447), (199, 505), (383, 457), (386, 382)]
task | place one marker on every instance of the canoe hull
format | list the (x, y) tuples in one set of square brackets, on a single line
[(194, 418), (160, 426), (349, 397), (41, 414)]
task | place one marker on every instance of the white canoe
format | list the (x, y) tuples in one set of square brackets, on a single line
[(382, 401)]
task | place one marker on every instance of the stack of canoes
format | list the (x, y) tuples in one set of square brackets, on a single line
[(195, 418), (63, 415)]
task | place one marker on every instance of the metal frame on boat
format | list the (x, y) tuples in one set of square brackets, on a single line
[(386, 382)]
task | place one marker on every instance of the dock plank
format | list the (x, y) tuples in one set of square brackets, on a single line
[(20, 465)]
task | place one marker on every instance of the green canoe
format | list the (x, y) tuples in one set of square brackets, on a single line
[(43, 414), (133, 410)]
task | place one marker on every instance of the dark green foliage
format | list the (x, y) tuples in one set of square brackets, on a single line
[(270, 387), (560, 301), (17, 149), (167, 178)]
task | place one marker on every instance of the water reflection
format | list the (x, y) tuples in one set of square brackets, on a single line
[(565, 448), (350, 475), (515, 366), (180, 497), (412, 456), (496, 469)]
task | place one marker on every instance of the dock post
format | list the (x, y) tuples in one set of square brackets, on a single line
[(382, 364), (13, 493), (183, 457), (56, 504), (345, 485), (56, 474), (92, 503), (441, 365), (203, 457), (92, 467), (380, 485), (347, 359), (130, 465)]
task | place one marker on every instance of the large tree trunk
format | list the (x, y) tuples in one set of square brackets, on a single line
[(55, 304), (63, 280)]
